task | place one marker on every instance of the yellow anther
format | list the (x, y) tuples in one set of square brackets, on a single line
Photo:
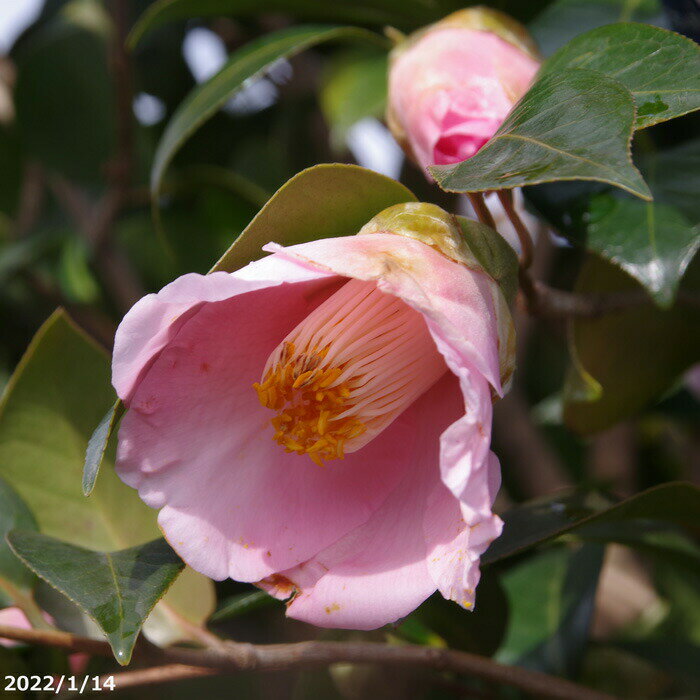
[(323, 422), (316, 458), (302, 379)]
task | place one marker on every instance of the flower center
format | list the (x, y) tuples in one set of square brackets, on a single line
[(347, 371)]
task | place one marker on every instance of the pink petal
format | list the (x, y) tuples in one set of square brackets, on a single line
[(457, 303), (197, 443), (378, 573), (156, 318), (453, 88), (457, 535)]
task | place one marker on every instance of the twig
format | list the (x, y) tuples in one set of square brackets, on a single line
[(542, 300), (506, 199), (483, 213), (155, 675), (231, 657)]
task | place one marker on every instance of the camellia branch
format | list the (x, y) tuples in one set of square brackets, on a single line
[(231, 657), (542, 300), (483, 213), (506, 199)]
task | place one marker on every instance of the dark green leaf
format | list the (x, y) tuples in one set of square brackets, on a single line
[(14, 513), (624, 361), (565, 19), (321, 202), (443, 623), (652, 242), (655, 538), (550, 598), (575, 125), (674, 176), (676, 656), (400, 13), (247, 63), (540, 521), (660, 68), (97, 446), (117, 590), (57, 395)]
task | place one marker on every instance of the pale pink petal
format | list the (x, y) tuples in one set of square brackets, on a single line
[(197, 443), (156, 318), (457, 303), (452, 89), (378, 573), (457, 535)]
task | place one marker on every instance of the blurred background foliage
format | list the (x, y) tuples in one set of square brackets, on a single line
[(614, 606)]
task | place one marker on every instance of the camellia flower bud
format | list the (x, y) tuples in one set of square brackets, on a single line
[(452, 84), (319, 422)]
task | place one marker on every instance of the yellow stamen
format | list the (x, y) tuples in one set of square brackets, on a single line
[(328, 384)]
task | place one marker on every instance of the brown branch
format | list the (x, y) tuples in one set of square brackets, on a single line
[(542, 300), (483, 213), (231, 657), (155, 675), (506, 199)]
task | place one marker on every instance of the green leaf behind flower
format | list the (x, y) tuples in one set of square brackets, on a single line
[(15, 578), (400, 13), (57, 395), (626, 360), (323, 201), (534, 523), (562, 20), (117, 590), (249, 62), (660, 68)]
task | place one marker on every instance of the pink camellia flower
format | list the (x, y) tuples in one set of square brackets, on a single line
[(452, 84), (318, 422)]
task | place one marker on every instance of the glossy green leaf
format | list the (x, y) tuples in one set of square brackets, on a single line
[(550, 599), (543, 520), (493, 253), (247, 63), (57, 395), (97, 446), (399, 13), (562, 20), (660, 68), (630, 358), (354, 87), (652, 242), (117, 590), (14, 576), (674, 176), (323, 201), (575, 125)]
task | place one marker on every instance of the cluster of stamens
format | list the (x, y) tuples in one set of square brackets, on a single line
[(346, 372), (303, 389)]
